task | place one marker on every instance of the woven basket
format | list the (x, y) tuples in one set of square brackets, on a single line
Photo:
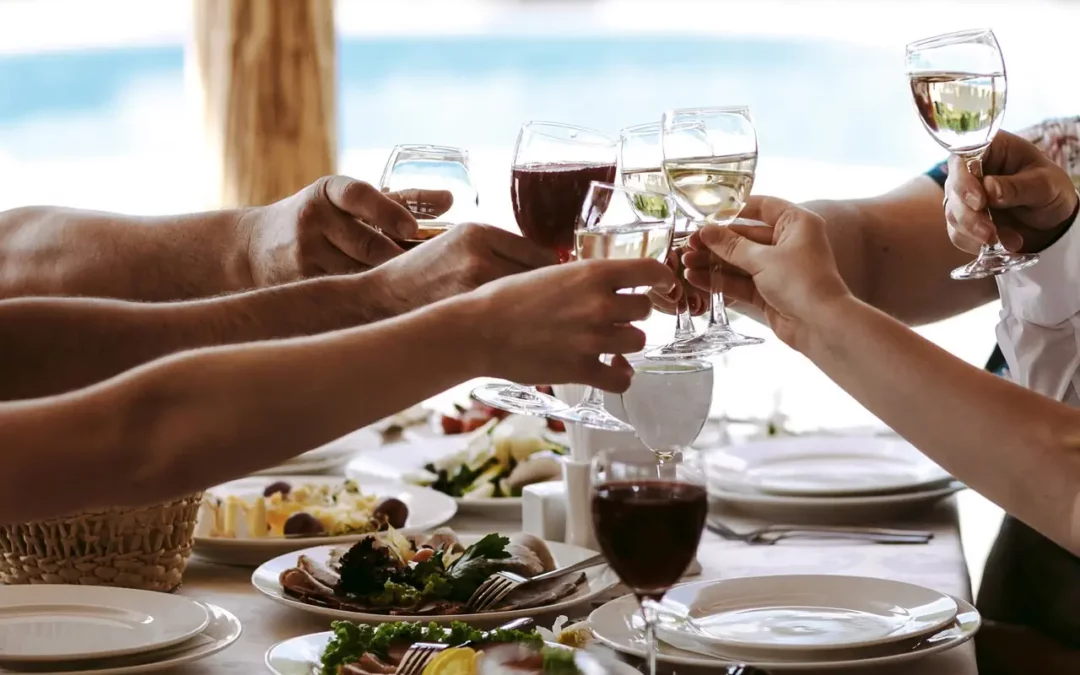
[(145, 548)]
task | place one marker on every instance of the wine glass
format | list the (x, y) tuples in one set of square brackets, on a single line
[(959, 86), (668, 403), (553, 167), (648, 513), (431, 167), (710, 158), (618, 222), (641, 158)]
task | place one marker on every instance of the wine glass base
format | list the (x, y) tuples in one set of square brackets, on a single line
[(592, 417), (681, 350), (718, 340), (517, 399), (993, 264)]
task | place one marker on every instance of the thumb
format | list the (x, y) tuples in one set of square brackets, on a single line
[(733, 248), (1034, 187)]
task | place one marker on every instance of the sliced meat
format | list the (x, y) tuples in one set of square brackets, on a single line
[(296, 581), (542, 593), (523, 560), (321, 573)]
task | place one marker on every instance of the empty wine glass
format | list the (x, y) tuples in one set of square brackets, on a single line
[(553, 167), (668, 403), (710, 160), (641, 159), (959, 86), (615, 222), (648, 521), (414, 168)]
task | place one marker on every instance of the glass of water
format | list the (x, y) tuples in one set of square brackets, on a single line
[(668, 403)]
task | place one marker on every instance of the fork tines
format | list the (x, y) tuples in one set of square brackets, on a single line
[(418, 657), (494, 589)]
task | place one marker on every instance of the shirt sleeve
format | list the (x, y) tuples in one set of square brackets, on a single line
[(939, 173)]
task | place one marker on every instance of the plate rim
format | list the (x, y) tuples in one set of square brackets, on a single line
[(966, 609), (113, 594), (759, 498), (832, 578), (304, 542), (275, 592)]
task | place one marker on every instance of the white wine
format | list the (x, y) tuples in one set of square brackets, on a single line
[(962, 111), (714, 188), (623, 242), (651, 180)]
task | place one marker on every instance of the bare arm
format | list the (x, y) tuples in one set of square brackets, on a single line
[(894, 253), (56, 251), (53, 345)]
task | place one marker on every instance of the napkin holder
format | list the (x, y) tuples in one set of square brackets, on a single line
[(543, 510)]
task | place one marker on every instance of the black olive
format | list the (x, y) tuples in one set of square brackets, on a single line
[(391, 511), (303, 524), (280, 486)]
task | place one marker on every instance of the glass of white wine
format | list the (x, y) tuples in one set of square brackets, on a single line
[(710, 160), (959, 86), (611, 225), (668, 402), (414, 169), (641, 159)]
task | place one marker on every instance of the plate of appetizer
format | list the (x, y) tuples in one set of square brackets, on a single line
[(484, 469), (351, 649), (249, 521), (391, 576)]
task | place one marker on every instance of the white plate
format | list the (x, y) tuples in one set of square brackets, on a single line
[(303, 656), (598, 580), (394, 461), (871, 509), (427, 510), (618, 624), (223, 630), (825, 466), (328, 458), (60, 623), (804, 613)]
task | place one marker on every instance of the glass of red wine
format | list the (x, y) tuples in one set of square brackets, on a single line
[(436, 184), (553, 167), (649, 511)]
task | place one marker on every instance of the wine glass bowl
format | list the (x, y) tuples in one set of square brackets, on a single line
[(554, 164), (959, 87), (417, 167), (668, 402)]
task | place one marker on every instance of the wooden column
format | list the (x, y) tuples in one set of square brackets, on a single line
[(267, 69)]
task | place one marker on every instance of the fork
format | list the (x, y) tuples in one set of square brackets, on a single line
[(771, 534), (499, 585), (420, 654)]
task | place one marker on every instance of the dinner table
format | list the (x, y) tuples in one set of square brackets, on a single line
[(938, 564)]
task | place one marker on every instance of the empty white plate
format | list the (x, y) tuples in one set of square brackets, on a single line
[(48, 623), (804, 613), (826, 466)]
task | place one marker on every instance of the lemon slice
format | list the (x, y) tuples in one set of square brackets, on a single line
[(453, 661)]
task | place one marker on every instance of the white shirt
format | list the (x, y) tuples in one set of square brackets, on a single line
[(1039, 331)]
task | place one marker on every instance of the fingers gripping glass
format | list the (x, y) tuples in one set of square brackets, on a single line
[(436, 185), (959, 86), (618, 222), (553, 167), (710, 161)]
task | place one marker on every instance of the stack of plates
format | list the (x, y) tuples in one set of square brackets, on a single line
[(827, 479), (330, 458), (802, 622), (95, 630)]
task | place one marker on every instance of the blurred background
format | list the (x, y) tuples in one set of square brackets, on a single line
[(101, 106)]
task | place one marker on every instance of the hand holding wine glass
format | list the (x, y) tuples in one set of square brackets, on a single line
[(434, 183), (1031, 198), (959, 86)]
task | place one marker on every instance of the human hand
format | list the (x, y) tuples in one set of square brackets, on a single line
[(336, 225), (784, 269), (551, 325), (668, 302), (1031, 198), (461, 259)]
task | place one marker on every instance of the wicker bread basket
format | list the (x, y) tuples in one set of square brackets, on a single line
[(145, 548)]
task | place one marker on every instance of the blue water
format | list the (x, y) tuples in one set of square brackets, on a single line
[(827, 101)]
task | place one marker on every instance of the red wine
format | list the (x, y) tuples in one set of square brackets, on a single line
[(649, 531), (548, 198)]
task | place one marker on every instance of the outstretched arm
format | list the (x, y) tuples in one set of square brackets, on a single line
[(195, 419)]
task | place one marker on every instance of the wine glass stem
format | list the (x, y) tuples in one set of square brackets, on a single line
[(648, 613), (593, 398), (684, 322), (975, 167), (717, 312)]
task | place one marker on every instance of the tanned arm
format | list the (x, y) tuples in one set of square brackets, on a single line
[(54, 345), (894, 253), (56, 251)]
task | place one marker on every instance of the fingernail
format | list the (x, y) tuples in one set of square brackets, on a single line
[(993, 188), (982, 231), (972, 200)]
